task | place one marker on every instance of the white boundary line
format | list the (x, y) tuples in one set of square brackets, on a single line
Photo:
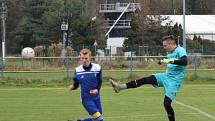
[(195, 109), (144, 115)]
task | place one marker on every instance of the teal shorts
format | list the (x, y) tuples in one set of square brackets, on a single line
[(169, 85)]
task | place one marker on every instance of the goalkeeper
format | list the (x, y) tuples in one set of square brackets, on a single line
[(171, 80)]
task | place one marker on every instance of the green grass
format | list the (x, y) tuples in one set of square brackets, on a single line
[(57, 79), (141, 104)]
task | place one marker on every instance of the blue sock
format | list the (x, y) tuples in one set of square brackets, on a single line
[(88, 119)]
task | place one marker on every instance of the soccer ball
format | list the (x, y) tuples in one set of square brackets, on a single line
[(28, 52)]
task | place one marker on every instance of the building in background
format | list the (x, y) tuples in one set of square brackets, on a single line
[(117, 18)]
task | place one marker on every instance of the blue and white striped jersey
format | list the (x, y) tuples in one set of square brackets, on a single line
[(88, 80)]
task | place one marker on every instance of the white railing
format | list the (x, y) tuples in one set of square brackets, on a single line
[(119, 24), (119, 7)]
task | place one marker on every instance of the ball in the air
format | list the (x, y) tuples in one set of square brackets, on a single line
[(28, 52)]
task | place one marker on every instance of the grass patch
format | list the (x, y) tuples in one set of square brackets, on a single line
[(141, 104), (59, 80)]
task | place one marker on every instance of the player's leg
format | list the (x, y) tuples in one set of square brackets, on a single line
[(170, 112), (98, 105), (171, 88), (73, 120), (95, 117), (93, 110), (133, 84)]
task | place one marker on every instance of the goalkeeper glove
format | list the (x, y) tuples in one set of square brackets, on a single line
[(165, 61)]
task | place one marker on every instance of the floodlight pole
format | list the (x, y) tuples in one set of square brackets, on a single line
[(95, 45), (184, 29), (3, 17), (64, 28), (64, 16)]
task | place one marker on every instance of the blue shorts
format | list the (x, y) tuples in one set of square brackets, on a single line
[(170, 86), (92, 106)]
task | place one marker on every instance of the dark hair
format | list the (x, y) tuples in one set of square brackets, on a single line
[(85, 51), (171, 37)]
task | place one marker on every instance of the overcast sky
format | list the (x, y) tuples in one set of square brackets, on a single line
[(196, 23)]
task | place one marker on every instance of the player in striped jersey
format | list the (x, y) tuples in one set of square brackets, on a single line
[(89, 76)]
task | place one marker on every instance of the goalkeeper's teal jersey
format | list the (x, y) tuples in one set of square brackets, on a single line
[(176, 72)]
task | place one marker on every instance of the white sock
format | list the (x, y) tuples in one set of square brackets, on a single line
[(122, 86)]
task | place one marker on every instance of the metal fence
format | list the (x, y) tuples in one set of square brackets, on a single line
[(199, 66), (40, 64)]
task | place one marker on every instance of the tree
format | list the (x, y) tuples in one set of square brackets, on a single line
[(42, 21), (202, 7), (83, 31), (30, 31), (147, 31), (133, 37), (15, 10), (195, 45), (177, 31), (171, 7)]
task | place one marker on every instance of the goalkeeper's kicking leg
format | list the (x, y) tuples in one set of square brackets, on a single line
[(146, 80), (133, 84)]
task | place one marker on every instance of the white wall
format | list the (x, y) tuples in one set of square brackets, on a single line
[(113, 43)]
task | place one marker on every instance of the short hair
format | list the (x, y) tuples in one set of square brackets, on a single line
[(85, 51), (169, 38)]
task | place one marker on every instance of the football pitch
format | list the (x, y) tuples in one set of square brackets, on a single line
[(193, 103)]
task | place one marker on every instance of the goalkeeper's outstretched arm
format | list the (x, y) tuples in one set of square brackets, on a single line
[(182, 61)]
